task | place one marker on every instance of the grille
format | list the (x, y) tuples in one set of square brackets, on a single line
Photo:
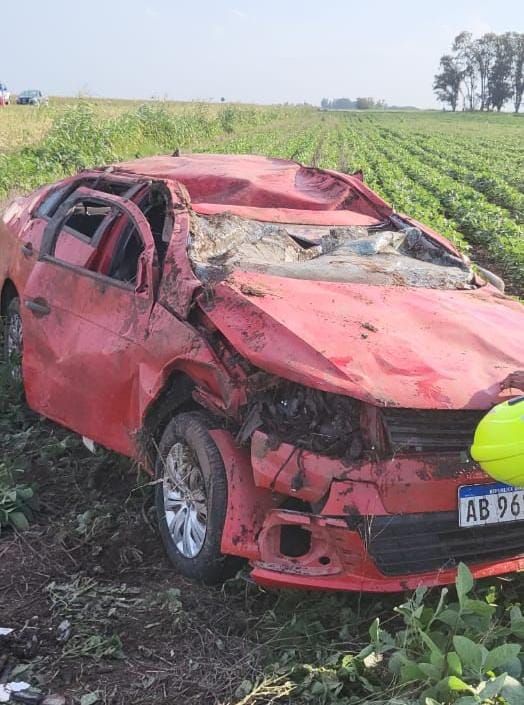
[(417, 543), (416, 430)]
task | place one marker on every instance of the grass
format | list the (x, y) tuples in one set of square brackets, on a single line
[(22, 125)]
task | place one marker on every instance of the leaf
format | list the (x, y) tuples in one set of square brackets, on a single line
[(492, 687), (500, 655), (438, 660), (410, 671), (513, 691), (450, 617), (89, 698), (517, 627), (464, 582), (470, 654), (244, 689), (457, 684), (454, 663), (483, 609), (430, 644), (513, 667), (395, 662), (431, 671), (19, 521)]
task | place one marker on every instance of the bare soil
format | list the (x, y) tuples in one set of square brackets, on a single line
[(97, 608), (93, 560)]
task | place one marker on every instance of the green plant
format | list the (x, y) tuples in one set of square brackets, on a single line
[(17, 499), (455, 652)]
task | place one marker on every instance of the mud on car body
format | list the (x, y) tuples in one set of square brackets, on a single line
[(300, 366)]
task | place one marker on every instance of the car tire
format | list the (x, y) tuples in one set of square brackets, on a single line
[(13, 337), (191, 499)]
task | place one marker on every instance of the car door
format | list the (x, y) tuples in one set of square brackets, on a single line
[(84, 329)]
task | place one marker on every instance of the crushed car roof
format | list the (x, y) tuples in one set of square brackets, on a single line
[(268, 189)]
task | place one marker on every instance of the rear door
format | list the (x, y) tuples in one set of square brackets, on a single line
[(84, 329)]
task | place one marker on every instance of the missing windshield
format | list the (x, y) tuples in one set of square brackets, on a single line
[(388, 256)]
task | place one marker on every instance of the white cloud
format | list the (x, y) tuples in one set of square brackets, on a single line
[(239, 13)]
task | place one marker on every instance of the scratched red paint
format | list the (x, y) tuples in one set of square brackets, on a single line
[(102, 355)]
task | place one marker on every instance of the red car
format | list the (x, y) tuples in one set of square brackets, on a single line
[(301, 367)]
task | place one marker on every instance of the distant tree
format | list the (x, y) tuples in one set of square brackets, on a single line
[(342, 104), (517, 68), (447, 82), (222, 100), (365, 103), (499, 79), (487, 72), (464, 56), (348, 104), (484, 52)]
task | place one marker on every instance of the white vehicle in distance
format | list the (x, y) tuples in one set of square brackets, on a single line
[(5, 96)]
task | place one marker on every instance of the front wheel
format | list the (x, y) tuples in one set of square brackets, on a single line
[(191, 499)]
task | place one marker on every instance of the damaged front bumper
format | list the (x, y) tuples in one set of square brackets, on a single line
[(305, 520)]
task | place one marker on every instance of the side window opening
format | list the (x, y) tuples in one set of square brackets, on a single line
[(100, 237), (153, 205), (124, 264), (85, 218)]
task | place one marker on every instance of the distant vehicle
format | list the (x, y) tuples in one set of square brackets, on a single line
[(5, 96), (32, 97)]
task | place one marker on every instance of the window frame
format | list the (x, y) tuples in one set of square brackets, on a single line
[(55, 226), (91, 182)]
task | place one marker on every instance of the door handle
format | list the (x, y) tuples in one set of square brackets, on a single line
[(27, 249), (38, 306)]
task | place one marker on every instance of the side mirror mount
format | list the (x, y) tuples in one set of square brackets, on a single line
[(492, 278)]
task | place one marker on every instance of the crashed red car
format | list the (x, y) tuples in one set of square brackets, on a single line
[(301, 367)]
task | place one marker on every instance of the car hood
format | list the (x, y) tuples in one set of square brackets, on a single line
[(392, 346)]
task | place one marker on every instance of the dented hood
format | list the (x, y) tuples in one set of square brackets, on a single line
[(413, 348)]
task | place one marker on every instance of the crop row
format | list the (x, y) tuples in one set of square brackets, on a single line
[(483, 224), (494, 188), (356, 149)]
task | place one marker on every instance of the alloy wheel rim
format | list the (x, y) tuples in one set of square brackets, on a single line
[(185, 500)]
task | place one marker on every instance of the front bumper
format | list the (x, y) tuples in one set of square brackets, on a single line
[(385, 553), (378, 526)]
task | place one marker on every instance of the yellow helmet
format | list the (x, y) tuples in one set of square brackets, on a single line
[(498, 445)]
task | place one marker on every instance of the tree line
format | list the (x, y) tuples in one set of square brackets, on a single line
[(348, 104), (482, 74)]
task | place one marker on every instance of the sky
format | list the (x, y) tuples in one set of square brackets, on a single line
[(265, 51)]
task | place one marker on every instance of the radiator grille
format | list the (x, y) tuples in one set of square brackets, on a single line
[(417, 543), (416, 430)]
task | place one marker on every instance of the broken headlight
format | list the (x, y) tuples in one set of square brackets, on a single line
[(328, 424)]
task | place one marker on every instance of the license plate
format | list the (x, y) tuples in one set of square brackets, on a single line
[(495, 503)]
